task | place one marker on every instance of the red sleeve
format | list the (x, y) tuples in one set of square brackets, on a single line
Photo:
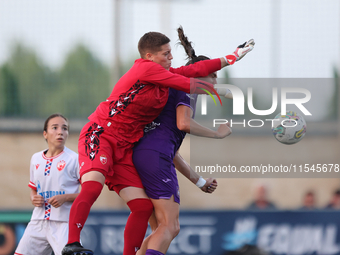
[(198, 69), (159, 76), (32, 185)]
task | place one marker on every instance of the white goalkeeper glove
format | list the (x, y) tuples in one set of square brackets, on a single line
[(243, 49), (240, 52)]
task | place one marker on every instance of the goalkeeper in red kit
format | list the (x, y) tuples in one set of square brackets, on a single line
[(106, 141)]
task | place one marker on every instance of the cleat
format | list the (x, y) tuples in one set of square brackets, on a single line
[(75, 249)]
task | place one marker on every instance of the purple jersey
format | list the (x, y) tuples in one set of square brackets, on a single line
[(154, 153), (162, 134)]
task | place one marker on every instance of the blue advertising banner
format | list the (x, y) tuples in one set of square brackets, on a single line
[(217, 232), (206, 232), (12, 227)]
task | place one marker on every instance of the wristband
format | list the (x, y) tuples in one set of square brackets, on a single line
[(224, 92), (201, 182)]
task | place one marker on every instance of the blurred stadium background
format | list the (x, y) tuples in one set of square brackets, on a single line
[(65, 56)]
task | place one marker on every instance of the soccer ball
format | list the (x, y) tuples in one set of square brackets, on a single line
[(289, 128)]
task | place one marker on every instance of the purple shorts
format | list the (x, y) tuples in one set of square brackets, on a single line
[(158, 174)]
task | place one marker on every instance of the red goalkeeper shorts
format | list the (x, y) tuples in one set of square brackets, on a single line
[(100, 151)]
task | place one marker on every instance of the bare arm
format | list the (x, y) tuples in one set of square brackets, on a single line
[(59, 200), (37, 200), (184, 168), (223, 62), (187, 124)]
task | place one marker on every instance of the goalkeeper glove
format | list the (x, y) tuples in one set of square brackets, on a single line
[(240, 52)]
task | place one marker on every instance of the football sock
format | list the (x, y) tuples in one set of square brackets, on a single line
[(136, 225), (80, 209), (153, 252)]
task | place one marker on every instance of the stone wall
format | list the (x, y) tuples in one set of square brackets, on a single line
[(17, 148)]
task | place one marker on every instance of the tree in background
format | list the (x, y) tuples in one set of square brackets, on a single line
[(83, 83), (11, 105), (30, 89), (33, 80)]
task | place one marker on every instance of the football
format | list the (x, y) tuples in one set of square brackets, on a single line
[(289, 128)]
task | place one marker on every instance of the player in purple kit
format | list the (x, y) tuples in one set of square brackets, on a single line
[(106, 141), (156, 156)]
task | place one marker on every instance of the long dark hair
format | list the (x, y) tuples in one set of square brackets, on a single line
[(189, 50)]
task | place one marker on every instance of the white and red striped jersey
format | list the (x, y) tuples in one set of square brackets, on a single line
[(54, 176)]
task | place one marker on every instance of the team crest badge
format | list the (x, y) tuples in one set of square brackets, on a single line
[(61, 164), (103, 159), (37, 166)]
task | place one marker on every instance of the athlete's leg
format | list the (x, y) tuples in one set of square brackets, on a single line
[(95, 150), (137, 223), (167, 213), (159, 178), (153, 221), (153, 225), (92, 185)]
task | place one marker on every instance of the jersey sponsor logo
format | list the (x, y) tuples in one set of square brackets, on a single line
[(119, 106), (61, 165), (46, 195), (92, 142), (151, 126), (50, 193), (38, 187), (103, 159), (36, 166)]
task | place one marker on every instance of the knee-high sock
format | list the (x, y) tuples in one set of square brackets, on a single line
[(136, 225), (80, 209), (153, 252)]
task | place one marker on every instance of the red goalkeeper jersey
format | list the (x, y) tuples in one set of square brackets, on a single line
[(140, 95)]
